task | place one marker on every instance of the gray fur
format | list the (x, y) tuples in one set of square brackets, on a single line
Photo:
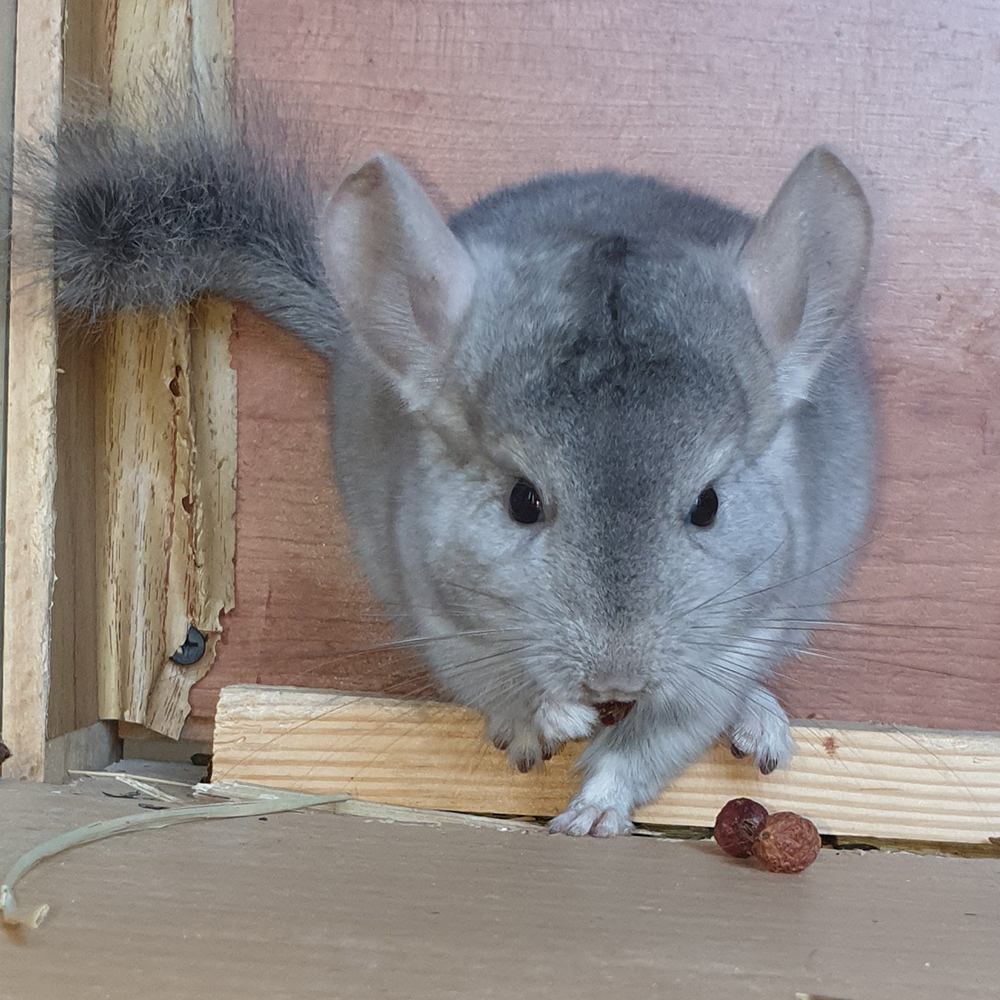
[(191, 203), (610, 355), (617, 342)]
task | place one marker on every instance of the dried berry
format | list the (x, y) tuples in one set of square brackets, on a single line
[(737, 826), (611, 712), (787, 842)]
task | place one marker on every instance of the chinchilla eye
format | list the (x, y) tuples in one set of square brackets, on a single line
[(702, 514), (525, 504)]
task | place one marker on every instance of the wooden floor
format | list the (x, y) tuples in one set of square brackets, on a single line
[(302, 906)]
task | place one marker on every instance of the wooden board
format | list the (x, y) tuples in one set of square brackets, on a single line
[(121, 501), (724, 96), (850, 780), (147, 431), (8, 32), (315, 905), (29, 514)]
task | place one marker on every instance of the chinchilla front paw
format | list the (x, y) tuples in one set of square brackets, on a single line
[(558, 721), (761, 731), (523, 743), (582, 819), (528, 743)]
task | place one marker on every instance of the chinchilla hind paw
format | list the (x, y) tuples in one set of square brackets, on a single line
[(583, 820)]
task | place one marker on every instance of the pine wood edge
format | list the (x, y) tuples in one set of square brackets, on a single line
[(851, 780), (29, 517)]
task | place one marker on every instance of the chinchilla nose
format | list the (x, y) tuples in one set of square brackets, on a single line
[(614, 687)]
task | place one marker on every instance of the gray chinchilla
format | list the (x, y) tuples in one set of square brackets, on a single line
[(598, 439)]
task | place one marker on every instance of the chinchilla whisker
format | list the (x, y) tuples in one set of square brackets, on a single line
[(542, 610), (819, 623), (903, 736), (867, 601), (724, 675), (508, 689), (850, 553), (901, 666), (930, 635), (462, 664), (730, 665), (861, 656), (424, 641), (413, 682), (714, 599), (760, 642), (448, 605), (360, 617), (333, 662), (504, 599), (929, 638), (347, 702)]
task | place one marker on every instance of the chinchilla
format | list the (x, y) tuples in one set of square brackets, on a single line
[(604, 445)]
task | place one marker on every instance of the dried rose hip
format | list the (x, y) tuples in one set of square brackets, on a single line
[(737, 826), (787, 842), (611, 712)]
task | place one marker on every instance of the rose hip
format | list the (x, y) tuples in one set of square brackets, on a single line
[(787, 842), (737, 826)]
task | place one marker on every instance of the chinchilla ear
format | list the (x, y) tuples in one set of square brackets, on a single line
[(401, 277), (803, 266)]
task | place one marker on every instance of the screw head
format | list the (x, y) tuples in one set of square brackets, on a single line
[(192, 650)]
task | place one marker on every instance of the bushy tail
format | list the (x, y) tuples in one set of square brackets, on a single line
[(190, 203)]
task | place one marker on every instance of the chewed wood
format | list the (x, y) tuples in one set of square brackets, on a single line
[(849, 780), (163, 399)]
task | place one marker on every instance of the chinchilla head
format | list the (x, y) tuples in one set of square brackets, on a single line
[(608, 487)]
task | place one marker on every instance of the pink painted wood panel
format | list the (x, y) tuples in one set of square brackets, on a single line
[(722, 95)]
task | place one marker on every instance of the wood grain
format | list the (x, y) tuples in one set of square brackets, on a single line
[(8, 33), (303, 610), (725, 97), (310, 905), (74, 667), (29, 514), (147, 427), (849, 780), (73, 697)]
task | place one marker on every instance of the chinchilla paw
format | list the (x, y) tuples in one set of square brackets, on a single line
[(761, 732), (524, 745), (558, 721), (582, 820)]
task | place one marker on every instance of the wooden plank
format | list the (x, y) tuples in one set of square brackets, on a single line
[(29, 513), (309, 905), (850, 780), (146, 434), (74, 664), (144, 439), (163, 393), (8, 31), (90, 748), (8, 34), (478, 94)]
